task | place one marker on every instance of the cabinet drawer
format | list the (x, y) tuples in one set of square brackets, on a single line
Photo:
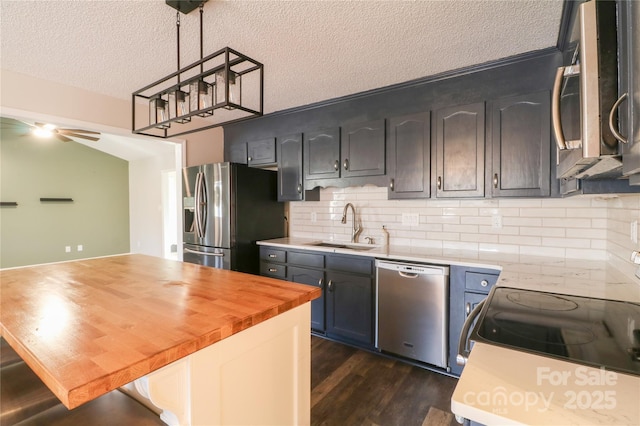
[(479, 281), (306, 259), (353, 264), (273, 270), (273, 255)]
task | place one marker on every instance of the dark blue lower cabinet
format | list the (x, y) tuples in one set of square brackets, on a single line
[(349, 307), (313, 277)]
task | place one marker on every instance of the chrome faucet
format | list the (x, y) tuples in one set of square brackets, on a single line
[(357, 227)]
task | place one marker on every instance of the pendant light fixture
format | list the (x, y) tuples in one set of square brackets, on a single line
[(203, 92), (218, 89), (179, 99)]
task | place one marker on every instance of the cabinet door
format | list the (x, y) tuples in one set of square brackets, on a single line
[(521, 146), (289, 149), (238, 153), (363, 149), (629, 57), (322, 154), (261, 152), (314, 278), (408, 156), (459, 152), (349, 307)]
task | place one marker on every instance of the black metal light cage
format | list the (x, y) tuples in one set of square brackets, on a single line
[(230, 67)]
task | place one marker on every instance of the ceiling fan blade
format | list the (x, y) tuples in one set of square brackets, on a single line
[(65, 131), (16, 122), (63, 138), (76, 135)]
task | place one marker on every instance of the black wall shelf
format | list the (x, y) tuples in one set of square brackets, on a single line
[(56, 200)]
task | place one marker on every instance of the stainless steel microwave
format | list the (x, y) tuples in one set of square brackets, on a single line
[(584, 94)]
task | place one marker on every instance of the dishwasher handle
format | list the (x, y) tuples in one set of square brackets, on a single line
[(412, 270), (463, 343)]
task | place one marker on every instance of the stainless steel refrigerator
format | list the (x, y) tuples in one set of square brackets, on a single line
[(227, 207)]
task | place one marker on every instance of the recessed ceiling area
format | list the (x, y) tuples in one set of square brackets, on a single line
[(312, 50)]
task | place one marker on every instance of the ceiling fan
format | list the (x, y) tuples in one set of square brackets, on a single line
[(45, 130)]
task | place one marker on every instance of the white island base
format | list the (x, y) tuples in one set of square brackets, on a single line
[(261, 375)]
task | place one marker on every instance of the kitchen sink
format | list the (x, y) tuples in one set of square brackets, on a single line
[(349, 246)]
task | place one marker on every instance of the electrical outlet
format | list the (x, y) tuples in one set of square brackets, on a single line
[(80, 248), (67, 249), (410, 219), (496, 221), (633, 232), (314, 217)]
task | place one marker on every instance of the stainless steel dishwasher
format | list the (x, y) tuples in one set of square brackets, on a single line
[(412, 302)]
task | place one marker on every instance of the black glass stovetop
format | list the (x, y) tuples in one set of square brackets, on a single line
[(594, 332)]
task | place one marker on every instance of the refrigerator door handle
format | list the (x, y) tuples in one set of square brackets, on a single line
[(196, 205), (201, 205), (204, 253)]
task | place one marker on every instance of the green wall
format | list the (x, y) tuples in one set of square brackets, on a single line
[(38, 232)]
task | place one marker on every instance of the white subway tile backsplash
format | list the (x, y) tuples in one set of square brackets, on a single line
[(588, 227), (558, 252), (519, 239), (460, 211), (550, 212), (566, 223), (543, 232), (499, 248), (587, 233), (522, 221)]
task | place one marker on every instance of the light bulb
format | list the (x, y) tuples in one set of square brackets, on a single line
[(42, 132)]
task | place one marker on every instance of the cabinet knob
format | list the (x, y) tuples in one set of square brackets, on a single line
[(330, 285), (467, 308), (299, 188), (320, 283), (273, 270), (346, 164), (439, 182), (484, 283), (336, 165), (249, 158), (391, 184), (495, 180), (273, 255)]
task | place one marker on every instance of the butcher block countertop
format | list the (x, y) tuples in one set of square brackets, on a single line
[(86, 327)]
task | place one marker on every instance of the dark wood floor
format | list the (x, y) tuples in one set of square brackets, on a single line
[(354, 387)]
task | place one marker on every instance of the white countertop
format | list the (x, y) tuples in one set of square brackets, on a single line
[(504, 386)]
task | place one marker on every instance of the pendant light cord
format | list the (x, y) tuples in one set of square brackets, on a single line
[(201, 35), (178, 43)]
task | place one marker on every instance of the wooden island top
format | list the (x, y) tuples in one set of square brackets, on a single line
[(86, 327)]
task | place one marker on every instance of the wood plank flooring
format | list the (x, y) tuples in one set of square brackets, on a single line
[(354, 387)]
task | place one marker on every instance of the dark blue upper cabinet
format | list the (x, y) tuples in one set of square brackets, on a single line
[(363, 149)]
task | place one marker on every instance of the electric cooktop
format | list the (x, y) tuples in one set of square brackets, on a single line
[(594, 332)]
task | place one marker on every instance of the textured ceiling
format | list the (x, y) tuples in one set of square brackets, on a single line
[(312, 50)]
